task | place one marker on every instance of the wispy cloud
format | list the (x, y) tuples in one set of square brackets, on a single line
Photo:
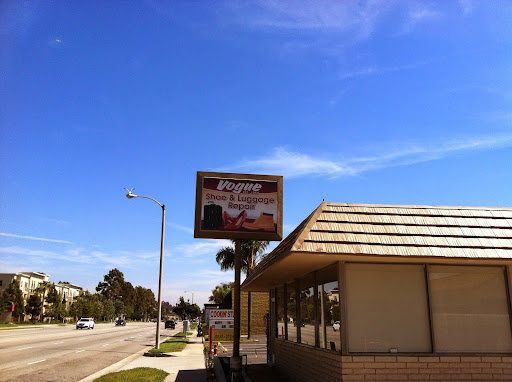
[(181, 227), (34, 238), (42, 254), (375, 70), (355, 20), (200, 248), (118, 258), (467, 6), (293, 164), (418, 15)]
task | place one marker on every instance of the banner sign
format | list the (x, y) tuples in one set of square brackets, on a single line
[(239, 206), (222, 323)]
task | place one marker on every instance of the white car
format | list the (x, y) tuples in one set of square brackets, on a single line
[(336, 326), (85, 323)]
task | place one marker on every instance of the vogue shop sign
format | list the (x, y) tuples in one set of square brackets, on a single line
[(239, 206)]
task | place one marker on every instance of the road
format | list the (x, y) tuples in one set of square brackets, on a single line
[(62, 353)]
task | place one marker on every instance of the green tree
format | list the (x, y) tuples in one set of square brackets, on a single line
[(120, 308), (167, 308), (220, 292), (145, 303), (185, 310), (97, 309), (57, 309), (83, 306), (194, 311), (77, 308), (108, 310), (14, 294), (41, 290), (128, 298), (53, 295), (112, 285), (181, 308), (34, 306)]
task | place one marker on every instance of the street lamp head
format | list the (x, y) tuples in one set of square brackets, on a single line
[(130, 195)]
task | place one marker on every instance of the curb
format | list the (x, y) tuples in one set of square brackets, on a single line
[(115, 367), (148, 354)]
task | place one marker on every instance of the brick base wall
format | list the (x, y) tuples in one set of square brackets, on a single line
[(259, 306), (427, 368), (259, 302), (304, 363)]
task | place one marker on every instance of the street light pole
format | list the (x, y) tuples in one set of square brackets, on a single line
[(130, 195)]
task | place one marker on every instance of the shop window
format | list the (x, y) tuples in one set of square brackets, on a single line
[(307, 311), (291, 304), (387, 308), (329, 308), (469, 309), (281, 319)]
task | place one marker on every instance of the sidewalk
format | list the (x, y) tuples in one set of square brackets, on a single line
[(189, 365), (185, 366)]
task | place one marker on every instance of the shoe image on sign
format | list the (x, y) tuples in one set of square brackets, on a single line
[(231, 223), (264, 222)]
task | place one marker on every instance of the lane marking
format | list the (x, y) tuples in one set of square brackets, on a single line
[(105, 344), (58, 343), (79, 351), (30, 347), (31, 363)]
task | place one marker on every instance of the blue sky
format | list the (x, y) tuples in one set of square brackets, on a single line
[(394, 102)]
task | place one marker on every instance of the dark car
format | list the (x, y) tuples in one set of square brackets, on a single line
[(170, 324), (121, 322)]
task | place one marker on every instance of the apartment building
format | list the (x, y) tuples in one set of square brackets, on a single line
[(30, 282), (69, 292)]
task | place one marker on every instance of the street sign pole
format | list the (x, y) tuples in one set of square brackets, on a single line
[(236, 360)]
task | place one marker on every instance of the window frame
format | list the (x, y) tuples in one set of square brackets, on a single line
[(294, 285)]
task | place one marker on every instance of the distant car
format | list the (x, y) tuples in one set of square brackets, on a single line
[(336, 326), (121, 322), (170, 324), (85, 323)]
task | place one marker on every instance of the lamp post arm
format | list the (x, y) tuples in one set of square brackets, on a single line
[(156, 201)]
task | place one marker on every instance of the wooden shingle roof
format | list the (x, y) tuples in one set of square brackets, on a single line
[(339, 230)]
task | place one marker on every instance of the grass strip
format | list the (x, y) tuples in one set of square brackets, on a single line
[(171, 345), (139, 374), (183, 334), (15, 327)]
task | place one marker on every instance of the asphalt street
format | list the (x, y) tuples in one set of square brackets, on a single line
[(63, 353)]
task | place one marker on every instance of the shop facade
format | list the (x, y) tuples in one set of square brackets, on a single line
[(380, 292)]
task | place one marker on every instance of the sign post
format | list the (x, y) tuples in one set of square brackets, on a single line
[(238, 207), (236, 360)]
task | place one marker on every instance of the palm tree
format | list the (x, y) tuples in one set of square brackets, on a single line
[(43, 287), (252, 251)]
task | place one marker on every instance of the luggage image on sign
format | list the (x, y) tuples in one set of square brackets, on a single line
[(212, 216)]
